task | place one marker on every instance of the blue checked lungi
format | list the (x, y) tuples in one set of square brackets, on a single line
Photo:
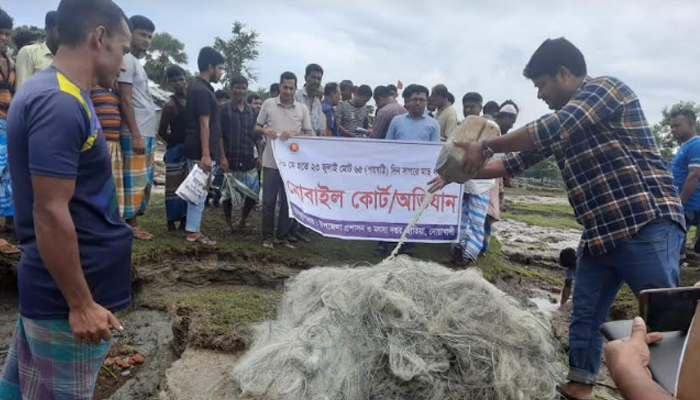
[(138, 176), (45, 363), (471, 230), (6, 208), (175, 172)]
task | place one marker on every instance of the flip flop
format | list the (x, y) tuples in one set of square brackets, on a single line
[(7, 248), (565, 396), (142, 234), (203, 239)]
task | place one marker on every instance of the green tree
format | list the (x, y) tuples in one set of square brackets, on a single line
[(662, 130), (546, 169), (24, 35), (238, 51), (165, 51), (262, 92)]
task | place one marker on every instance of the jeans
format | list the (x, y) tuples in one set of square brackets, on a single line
[(195, 211), (273, 186), (646, 261)]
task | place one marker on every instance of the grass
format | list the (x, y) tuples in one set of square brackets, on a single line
[(321, 251), (221, 318), (626, 306), (543, 192), (543, 208), (539, 220)]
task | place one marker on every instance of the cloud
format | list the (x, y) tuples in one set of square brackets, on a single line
[(468, 45)]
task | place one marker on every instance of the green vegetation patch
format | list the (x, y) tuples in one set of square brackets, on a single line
[(539, 220), (221, 318), (543, 208)]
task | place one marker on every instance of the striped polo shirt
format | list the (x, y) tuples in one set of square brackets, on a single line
[(106, 104)]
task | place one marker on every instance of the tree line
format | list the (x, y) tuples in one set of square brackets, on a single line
[(242, 48)]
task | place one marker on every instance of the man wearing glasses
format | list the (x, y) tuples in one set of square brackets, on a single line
[(416, 125)]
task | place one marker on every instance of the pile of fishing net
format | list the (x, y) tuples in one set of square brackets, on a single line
[(403, 329)]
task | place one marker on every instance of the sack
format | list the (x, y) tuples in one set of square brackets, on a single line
[(195, 187), (472, 129)]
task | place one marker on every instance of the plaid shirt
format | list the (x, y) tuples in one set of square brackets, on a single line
[(384, 117), (238, 135), (616, 179)]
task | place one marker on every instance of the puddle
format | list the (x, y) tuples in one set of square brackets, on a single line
[(531, 244), (545, 305)]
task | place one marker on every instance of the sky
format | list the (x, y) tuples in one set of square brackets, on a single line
[(483, 46)]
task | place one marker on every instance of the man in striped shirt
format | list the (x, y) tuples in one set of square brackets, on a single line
[(352, 116), (106, 102), (618, 184)]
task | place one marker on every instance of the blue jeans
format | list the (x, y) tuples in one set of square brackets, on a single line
[(646, 261), (195, 211)]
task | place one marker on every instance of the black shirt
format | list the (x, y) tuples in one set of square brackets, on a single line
[(201, 101), (237, 130)]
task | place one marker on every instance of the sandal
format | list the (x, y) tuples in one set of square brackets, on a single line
[(268, 244), (203, 239), (142, 234), (286, 244), (565, 396), (7, 248)]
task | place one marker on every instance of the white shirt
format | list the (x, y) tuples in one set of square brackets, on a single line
[(145, 111)]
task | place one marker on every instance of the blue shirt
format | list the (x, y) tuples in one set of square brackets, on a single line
[(54, 132), (688, 156), (421, 129), (331, 124)]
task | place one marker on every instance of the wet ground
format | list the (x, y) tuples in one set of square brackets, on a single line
[(178, 295)]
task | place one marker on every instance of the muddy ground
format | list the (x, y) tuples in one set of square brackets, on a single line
[(193, 307)]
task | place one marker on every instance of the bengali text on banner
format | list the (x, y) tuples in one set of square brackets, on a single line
[(366, 189)]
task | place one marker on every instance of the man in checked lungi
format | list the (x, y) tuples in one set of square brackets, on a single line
[(75, 269), (240, 139), (172, 131), (139, 125)]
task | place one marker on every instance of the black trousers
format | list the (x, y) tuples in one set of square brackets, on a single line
[(272, 187)]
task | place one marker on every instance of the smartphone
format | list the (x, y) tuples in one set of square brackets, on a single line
[(668, 310)]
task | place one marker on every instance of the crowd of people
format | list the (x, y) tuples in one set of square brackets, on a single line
[(78, 132), (234, 122)]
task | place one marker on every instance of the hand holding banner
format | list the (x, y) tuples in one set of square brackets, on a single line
[(366, 189)]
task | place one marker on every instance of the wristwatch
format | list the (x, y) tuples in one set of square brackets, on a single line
[(486, 150)]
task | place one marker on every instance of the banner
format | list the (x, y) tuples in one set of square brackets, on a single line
[(366, 189)]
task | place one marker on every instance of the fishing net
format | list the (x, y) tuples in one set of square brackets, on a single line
[(403, 329)]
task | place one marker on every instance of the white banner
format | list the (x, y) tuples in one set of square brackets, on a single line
[(366, 189)]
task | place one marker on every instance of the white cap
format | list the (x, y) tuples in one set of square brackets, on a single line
[(509, 108)]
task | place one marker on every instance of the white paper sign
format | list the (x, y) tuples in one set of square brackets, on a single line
[(195, 187), (366, 189)]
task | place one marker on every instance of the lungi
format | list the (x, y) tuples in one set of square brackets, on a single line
[(45, 363), (471, 230), (138, 176), (175, 173), (115, 154)]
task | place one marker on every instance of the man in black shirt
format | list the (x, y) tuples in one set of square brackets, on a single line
[(237, 130), (203, 143), (172, 132)]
